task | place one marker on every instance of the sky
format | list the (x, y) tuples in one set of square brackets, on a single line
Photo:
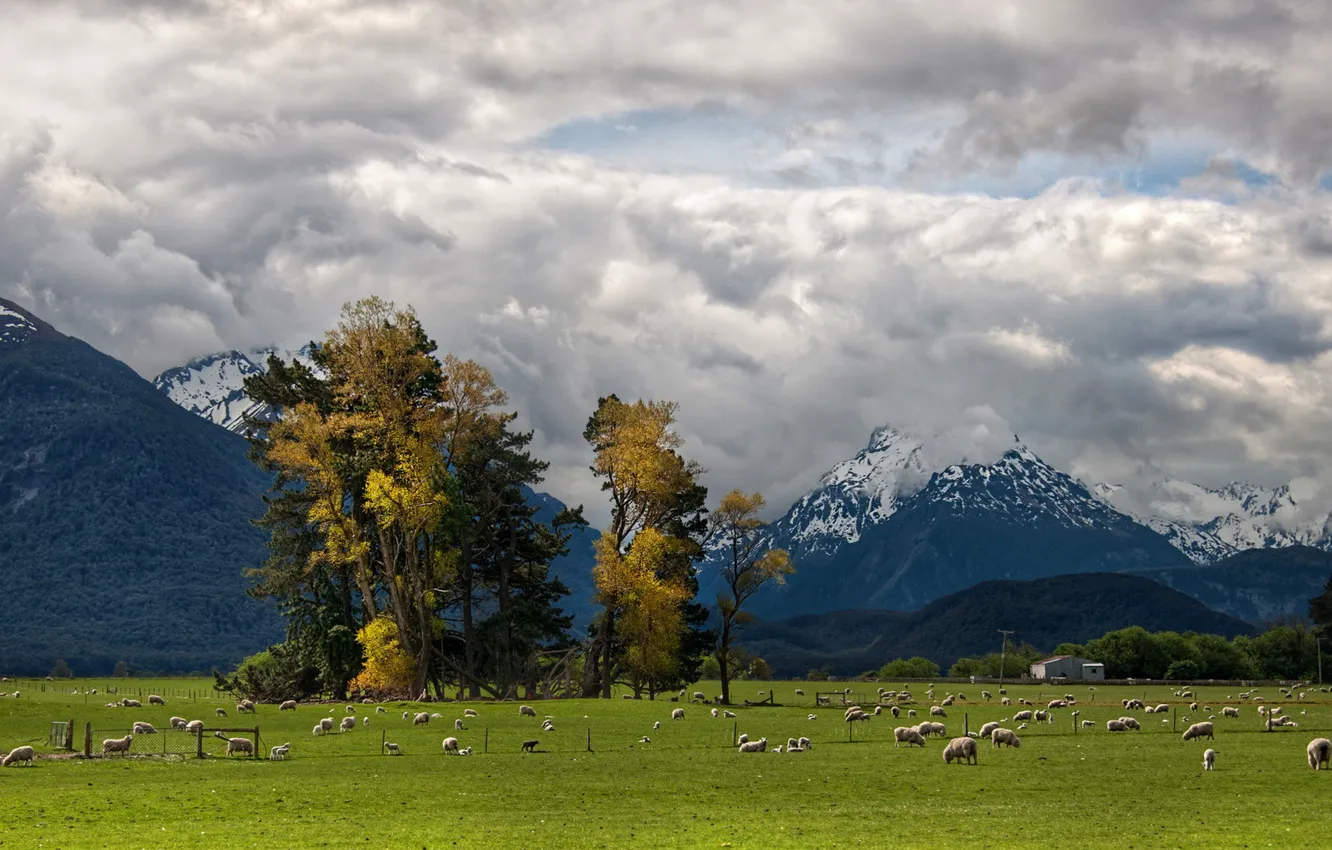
[(1102, 226)]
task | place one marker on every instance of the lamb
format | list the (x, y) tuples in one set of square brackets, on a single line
[(726, 712), (677, 714), (1005, 701), (744, 738), (194, 727), (1320, 752), (878, 709), (895, 710), (470, 712), (141, 728), (1193, 706), (351, 709), (465, 751), (220, 712), (1042, 716), (988, 728), (154, 699), (754, 746), (1209, 759), (237, 745), (936, 711), (911, 712), (19, 754), (526, 711), (287, 705), (436, 716), (715, 714), (986, 695), (379, 709), (1199, 730), (1022, 715), (699, 696), (392, 748), (279, 753), (1230, 711), (799, 693), (791, 744), (548, 726), (947, 701), (131, 703), (178, 722), (450, 746), (1115, 726), (1087, 724), (1131, 722), (804, 743), (1004, 736), (962, 749), (530, 745), (656, 725), (907, 735), (117, 745), (348, 724), (813, 717), (365, 721), (458, 725), (645, 740), (421, 719), (327, 724), (318, 730)]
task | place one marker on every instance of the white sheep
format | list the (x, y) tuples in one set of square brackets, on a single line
[(1209, 759), (131, 703), (1320, 752), (1131, 722), (117, 745), (351, 709), (547, 726), (962, 749), (19, 754), (318, 730), (327, 724), (436, 716), (936, 711), (804, 743), (392, 748), (656, 725), (379, 709), (287, 705), (1087, 724), (243, 746), (1115, 726), (348, 724), (450, 746), (754, 746), (154, 699), (465, 751), (194, 727), (1022, 715), (220, 712), (988, 728), (726, 712), (1005, 701), (365, 721), (813, 717), (715, 714), (421, 719), (699, 696), (1230, 711), (178, 722), (470, 712), (677, 714), (791, 743), (1162, 708), (526, 711), (279, 753), (1000, 736), (743, 739), (908, 736), (458, 725), (141, 728), (1199, 730), (799, 693)]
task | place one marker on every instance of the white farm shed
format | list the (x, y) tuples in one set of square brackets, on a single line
[(1068, 667)]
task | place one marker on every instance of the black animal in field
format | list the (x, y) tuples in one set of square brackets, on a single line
[(530, 746)]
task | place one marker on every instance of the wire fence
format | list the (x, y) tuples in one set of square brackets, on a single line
[(203, 743)]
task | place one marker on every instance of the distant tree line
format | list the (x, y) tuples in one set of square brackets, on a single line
[(406, 557)]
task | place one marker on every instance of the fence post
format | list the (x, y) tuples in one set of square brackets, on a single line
[(256, 742), (87, 740), (486, 746), (1174, 717), (69, 735), (383, 736), (966, 724), (589, 739), (735, 733), (198, 743)]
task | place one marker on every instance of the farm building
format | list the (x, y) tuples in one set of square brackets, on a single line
[(1067, 667)]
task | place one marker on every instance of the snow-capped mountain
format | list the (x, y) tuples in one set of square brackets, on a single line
[(214, 386), (15, 327), (1209, 524)]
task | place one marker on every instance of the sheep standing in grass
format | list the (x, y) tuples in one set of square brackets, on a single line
[(744, 738), (1004, 737), (421, 719), (1199, 730), (131, 703), (1209, 759), (1022, 715), (279, 753), (220, 712), (392, 748), (656, 724), (244, 746), (318, 730), (962, 749), (450, 746), (804, 743), (936, 711), (117, 745), (526, 711), (327, 724), (287, 705), (1131, 722), (799, 692), (905, 735), (458, 725), (758, 746), (19, 754), (677, 714), (699, 696), (1115, 726), (154, 699), (1320, 753), (178, 722), (987, 729), (470, 712), (348, 724), (1230, 711), (141, 728), (194, 727)]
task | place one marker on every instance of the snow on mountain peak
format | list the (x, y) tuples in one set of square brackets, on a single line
[(15, 327), (213, 386)]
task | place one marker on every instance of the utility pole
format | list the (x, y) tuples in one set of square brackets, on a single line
[(1003, 653)]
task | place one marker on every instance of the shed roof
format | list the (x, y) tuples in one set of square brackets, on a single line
[(1054, 658)]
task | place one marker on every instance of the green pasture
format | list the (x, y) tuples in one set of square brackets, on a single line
[(688, 787)]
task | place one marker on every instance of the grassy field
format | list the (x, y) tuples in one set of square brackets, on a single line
[(687, 788)]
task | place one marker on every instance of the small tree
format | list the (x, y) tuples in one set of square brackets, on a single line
[(61, 670), (121, 671), (708, 668), (747, 568), (389, 669), (759, 669), (816, 675)]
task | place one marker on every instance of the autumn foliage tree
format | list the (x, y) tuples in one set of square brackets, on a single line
[(389, 671), (747, 567)]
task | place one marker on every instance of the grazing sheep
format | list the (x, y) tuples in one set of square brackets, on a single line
[(327, 723), (1193, 706), (744, 738), (1115, 726), (1087, 724), (903, 734), (470, 712), (1163, 708), (19, 754), (987, 729), (799, 692), (1320, 752), (791, 743), (715, 714), (141, 728), (530, 745), (1199, 730), (379, 709), (928, 729), (347, 724), (1209, 760), (986, 695), (962, 749), (194, 726), (656, 725), (526, 711), (450, 746), (1042, 716), (287, 705), (1022, 715), (1005, 701), (726, 712), (947, 701), (131, 703), (220, 712), (279, 753), (421, 719), (318, 730), (677, 714), (154, 699), (804, 743), (936, 711), (1230, 711), (365, 721), (699, 696), (813, 717), (392, 748), (853, 716), (1004, 736), (754, 746), (911, 712), (178, 722), (1131, 722), (1056, 703), (237, 745), (645, 740), (877, 710), (458, 724), (117, 745)]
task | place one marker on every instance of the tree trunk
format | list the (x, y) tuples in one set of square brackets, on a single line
[(607, 639), (724, 661), (469, 627)]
